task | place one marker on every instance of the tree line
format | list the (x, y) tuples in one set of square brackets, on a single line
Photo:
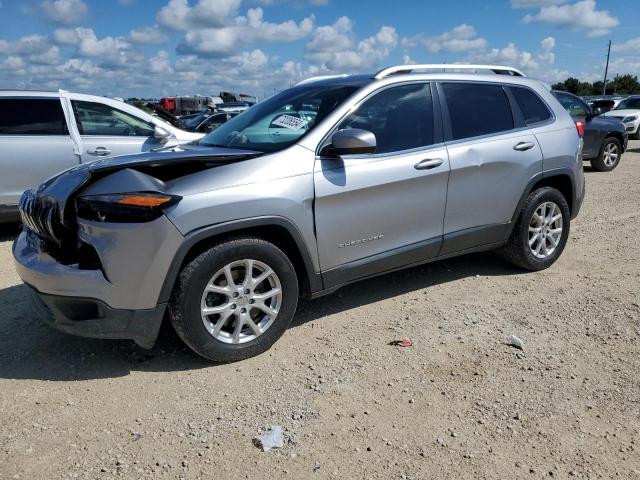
[(619, 85)]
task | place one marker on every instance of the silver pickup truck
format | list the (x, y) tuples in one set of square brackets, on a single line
[(44, 133)]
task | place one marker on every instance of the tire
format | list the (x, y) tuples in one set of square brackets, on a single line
[(605, 162), (228, 344), (517, 250), (636, 136)]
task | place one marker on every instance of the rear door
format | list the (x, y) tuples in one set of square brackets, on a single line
[(106, 131), (34, 144), (493, 156), (384, 210)]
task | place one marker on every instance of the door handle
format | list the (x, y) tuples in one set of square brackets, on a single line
[(523, 146), (428, 163), (100, 151)]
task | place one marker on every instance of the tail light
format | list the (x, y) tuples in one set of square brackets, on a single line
[(135, 207), (580, 128)]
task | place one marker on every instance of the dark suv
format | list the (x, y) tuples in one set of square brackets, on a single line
[(605, 139)]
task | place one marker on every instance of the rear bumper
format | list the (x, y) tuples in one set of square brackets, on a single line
[(87, 317)]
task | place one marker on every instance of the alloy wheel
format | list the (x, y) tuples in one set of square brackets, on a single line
[(545, 230), (241, 301), (610, 154)]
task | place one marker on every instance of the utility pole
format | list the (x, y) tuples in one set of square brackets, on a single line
[(606, 70)]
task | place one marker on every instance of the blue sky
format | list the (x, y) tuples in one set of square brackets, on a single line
[(167, 47)]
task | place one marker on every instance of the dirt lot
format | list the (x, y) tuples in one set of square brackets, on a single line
[(460, 403)]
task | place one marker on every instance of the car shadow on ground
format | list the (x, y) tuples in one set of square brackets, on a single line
[(31, 350)]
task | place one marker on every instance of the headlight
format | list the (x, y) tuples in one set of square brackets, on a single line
[(134, 207), (630, 118)]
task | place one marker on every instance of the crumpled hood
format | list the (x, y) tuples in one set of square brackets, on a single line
[(46, 205)]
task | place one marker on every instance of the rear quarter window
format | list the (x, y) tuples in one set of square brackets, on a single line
[(26, 116), (477, 109), (532, 107)]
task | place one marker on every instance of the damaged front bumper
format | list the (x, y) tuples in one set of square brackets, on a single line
[(118, 298), (88, 317)]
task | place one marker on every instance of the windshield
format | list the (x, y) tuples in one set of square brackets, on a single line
[(281, 120), (629, 103)]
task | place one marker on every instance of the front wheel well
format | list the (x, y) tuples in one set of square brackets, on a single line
[(562, 183), (275, 234)]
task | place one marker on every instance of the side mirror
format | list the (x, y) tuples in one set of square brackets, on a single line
[(161, 134), (353, 141)]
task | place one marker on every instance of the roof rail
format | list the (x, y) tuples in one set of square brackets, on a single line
[(319, 77), (497, 69)]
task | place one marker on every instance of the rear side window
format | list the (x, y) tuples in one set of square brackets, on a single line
[(477, 109), (533, 109), (400, 117), (25, 116)]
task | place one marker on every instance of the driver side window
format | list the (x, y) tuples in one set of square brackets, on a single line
[(102, 120), (400, 117)]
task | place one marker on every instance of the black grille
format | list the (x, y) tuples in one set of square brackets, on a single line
[(39, 215)]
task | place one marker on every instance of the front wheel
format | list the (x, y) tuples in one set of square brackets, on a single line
[(541, 230), (609, 157), (234, 300)]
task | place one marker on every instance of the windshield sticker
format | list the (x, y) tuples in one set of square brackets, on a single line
[(292, 123)]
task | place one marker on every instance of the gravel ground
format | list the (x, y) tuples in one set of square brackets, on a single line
[(459, 403)]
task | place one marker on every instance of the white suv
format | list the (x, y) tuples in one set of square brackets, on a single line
[(43, 133)]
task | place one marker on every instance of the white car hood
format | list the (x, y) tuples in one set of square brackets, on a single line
[(622, 113)]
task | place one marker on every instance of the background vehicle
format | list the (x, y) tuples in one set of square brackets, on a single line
[(628, 112), (43, 133), (392, 170), (207, 121), (604, 138)]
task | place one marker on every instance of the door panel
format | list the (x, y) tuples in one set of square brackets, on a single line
[(95, 148), (488, 177), (107, 132), (366, 206)]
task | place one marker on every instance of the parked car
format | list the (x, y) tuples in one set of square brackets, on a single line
[(605, 139), (628, 112), (43, 133), (396, 169), (207, 121)]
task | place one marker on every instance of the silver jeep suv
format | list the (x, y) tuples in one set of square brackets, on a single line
[(332, 181)]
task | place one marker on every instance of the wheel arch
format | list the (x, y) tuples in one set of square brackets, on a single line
[(277, 230), (559, 179), (618, 136)]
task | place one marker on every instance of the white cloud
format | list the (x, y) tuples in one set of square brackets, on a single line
[(462, 38), (631, 45), (148, 35), (64, 11), (179, 15), (538, 65), (246, 30), (334, 47), (581, 15)]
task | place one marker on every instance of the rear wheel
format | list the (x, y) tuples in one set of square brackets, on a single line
[(234, 300), (541, 230), (610, 154)]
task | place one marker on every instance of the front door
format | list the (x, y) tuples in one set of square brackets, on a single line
[(107, 132), (375, 212)]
